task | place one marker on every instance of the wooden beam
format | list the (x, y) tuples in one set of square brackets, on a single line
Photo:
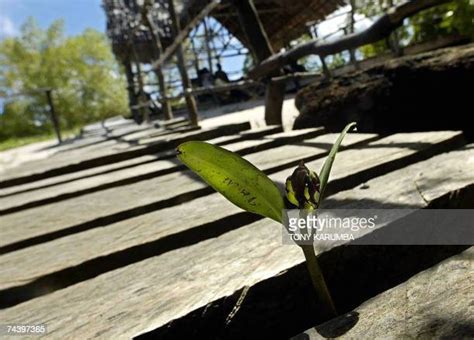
[(196, 56), (190, 101), (144, 109), (380, 29), (182, 34), (253, 28), (261, 49), (132, 99), (208, 37), (165, 104)]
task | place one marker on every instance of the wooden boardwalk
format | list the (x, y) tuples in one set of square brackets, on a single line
[(113, 238)]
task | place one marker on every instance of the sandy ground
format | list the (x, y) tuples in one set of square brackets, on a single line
[(14, 157), (251, 111)]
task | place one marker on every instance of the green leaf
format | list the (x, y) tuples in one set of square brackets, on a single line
[(235, 178), (326, 169)]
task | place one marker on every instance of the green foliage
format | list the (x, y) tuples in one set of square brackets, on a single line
[(335, 61), (235, 178), (250, 189), (88, 84), (241, 182), (375, 49), (455, 17)]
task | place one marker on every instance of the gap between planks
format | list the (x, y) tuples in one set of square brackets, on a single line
[(165, 292)]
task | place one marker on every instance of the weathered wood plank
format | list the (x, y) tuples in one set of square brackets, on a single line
[(50, 195), (46, 168), (154, 132), (56, 180), (83, 149), (434, 304), (150, 294), (107, 136), (197, 225), (210, 211), (249, 134), (141, 138), (245, 135), (110, 205), (44, 223)]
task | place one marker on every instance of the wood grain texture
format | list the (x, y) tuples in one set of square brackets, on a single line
[(144, 196), (137, 173), (100, 156), (435, 304), (245, 135), (149, 294), (203, 214)]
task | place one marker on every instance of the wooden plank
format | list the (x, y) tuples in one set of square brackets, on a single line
[(155, 225), (137, 136), (43, 169), (50, 195), (434, 304), (43, 223), (101, 138), (244, 135), (48, 182), (89, 211), (150, 294), (171, 122), (113, 143), (181, 61), (164, 227)]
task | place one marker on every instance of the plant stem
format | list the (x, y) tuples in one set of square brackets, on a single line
[(317, 278)]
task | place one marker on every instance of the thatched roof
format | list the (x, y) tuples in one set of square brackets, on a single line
[(283, 20)]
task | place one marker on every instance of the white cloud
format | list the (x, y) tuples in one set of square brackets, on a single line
[(7, 27)]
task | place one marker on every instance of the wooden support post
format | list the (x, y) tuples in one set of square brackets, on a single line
[(208, 47), (54, 117), (196, 57), (183, 34), (208, 39), (190, 102), (144, 109), (132, 99), (165, 104), (261, 49), (326, 70)]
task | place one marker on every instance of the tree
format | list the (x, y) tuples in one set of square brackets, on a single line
[(451, 18), (87, 83)]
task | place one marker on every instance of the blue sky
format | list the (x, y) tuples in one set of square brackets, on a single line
[(81, 14), (78, 14)]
